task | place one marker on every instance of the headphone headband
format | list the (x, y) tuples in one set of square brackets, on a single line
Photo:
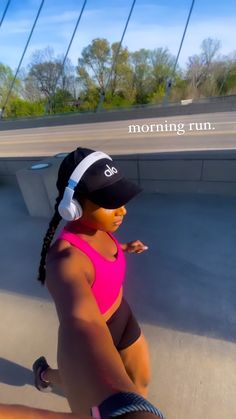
[(83, 167)]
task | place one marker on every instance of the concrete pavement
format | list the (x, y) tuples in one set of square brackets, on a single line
[(182, 291)]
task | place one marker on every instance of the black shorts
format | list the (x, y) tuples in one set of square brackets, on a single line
[(123, 326)]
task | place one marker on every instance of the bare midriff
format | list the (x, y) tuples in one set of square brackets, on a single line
[(114, 306)]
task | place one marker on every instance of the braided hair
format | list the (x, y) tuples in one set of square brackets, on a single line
[(53, 224), (66, 168)]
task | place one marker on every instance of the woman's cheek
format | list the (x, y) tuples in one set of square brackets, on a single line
[(104, 217)]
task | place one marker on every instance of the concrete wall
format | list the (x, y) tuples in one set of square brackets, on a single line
[(211, 172), (9, 167), (206, 105)]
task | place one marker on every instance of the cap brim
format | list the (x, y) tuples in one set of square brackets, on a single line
[(115, 195)]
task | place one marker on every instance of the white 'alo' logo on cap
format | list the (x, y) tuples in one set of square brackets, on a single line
[(110, 171)]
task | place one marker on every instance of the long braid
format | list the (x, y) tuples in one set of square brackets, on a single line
[(65, 170), (47, 241)]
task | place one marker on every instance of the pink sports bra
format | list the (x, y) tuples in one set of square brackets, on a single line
[(109, 275)]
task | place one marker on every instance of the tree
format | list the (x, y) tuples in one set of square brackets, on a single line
[(162, 64), (142, 74), (151, 70), (209, 48), (195, 73), (226, 80), (93, 68), (104, 69), (47, 74), (200, 69), (44, 72), (6, 78), (122, 75)]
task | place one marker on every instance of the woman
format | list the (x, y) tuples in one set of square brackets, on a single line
[(87, 260)]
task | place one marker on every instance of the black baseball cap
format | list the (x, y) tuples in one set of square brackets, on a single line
[(103, 182)]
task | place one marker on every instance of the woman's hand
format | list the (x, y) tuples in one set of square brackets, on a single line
[(135, 246)]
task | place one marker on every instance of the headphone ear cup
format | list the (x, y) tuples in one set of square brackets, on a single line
[(69, 209), (76, 210)]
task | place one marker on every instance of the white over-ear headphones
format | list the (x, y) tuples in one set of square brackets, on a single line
[(69, 208)]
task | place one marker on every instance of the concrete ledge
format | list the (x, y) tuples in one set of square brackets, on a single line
[(38, 187), (211, 172), (191, 187), (9, 167), (225, 171), (170, 169)]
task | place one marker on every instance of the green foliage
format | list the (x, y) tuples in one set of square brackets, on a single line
[(6, 78), (96, 59), (63, 101), (179, 90), (229, 82), (18, 108), (116, 101), (123, 78), (142, 75), (158, 95), (89, 99)]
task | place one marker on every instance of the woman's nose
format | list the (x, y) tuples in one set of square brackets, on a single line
[(121, 211)]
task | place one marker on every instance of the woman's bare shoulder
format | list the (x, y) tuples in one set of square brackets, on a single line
[(59, 249), (66, 261), (69, 274)]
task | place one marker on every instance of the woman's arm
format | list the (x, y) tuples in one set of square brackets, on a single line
[(24, 412)]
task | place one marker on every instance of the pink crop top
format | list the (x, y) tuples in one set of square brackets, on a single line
[(109, 275)]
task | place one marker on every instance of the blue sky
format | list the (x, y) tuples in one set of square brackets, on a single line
[(153, 24)]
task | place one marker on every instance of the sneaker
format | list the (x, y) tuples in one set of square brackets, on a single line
[(39, 366)]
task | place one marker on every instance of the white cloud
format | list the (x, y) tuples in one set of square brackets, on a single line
[(15, 28), (151, 36), (59, 18), (55, 30)]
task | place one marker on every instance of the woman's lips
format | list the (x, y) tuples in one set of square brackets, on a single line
[(117, 223)]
